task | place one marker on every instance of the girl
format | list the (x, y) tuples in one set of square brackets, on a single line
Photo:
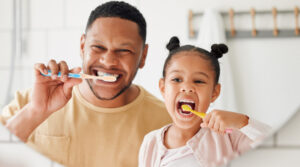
[(190, 77)]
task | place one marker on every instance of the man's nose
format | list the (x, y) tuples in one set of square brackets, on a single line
[(109, 59), (187, 88)]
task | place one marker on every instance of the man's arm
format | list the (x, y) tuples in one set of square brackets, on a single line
[(49, 94), (25, 121)]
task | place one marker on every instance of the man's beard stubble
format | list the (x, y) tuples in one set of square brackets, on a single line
[(119, 93), (103, 98)]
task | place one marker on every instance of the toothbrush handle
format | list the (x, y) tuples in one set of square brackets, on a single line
[(71, 75)]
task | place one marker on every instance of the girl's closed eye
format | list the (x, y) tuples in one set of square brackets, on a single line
[(199, 82)]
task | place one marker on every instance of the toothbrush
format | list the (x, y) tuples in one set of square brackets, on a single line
[(188, 108), (199, 114), (107, 78)]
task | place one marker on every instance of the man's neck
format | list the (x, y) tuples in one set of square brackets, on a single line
[(126, 97)]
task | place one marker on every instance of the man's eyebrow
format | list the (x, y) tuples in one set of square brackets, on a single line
[(122, 44), (127, 44)]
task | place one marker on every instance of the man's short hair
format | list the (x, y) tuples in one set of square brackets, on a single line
[(122, 10)]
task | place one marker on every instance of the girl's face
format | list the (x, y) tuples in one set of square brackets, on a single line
[(189, 80)]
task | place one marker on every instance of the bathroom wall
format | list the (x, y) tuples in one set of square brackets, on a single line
[(52, 29)]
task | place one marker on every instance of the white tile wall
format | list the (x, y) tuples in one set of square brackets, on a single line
[(3, 86), (6, 14), (46, 14), (34, 47), (65, 45), (289, 135), (23, 79), (6, 49), (4, 134), (78, 11)]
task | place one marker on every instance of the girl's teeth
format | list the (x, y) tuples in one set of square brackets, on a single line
[(186, 101)]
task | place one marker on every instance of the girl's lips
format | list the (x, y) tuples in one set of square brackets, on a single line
[(181, 112), (184, 115), (190, 103)]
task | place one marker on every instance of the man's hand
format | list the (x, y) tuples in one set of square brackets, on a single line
[(52, 93), (49, 95)]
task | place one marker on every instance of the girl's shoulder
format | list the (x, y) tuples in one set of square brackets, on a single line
[(157, 134), (155, 138)]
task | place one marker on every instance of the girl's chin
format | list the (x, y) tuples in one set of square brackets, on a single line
[(187, 125)]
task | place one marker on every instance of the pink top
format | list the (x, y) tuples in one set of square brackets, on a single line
[(206, 147)]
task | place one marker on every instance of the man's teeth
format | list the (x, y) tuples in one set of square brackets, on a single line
[(107, 76)]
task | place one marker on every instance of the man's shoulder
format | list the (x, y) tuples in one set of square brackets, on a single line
[(151, 99), (21, 98), (154, 135), (154, 110)]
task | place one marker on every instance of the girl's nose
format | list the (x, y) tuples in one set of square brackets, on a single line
[(108, 59), (187, 89)]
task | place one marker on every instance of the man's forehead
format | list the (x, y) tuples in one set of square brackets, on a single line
[(113, 28)]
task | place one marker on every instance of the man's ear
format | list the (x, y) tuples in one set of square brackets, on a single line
[(216, 93), (82, 42), (162, 86), (144, 55)]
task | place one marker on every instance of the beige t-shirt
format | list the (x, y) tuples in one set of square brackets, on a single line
[(84, 135)]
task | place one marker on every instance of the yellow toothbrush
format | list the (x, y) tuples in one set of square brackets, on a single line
[(199, 114), (188, 108)]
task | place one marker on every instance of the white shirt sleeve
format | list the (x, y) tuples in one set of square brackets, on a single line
[(256, 131)]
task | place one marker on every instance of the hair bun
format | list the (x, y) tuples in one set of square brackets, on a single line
[(173, 43), (218, 50)]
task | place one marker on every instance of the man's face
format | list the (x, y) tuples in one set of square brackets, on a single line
[(112, 46)]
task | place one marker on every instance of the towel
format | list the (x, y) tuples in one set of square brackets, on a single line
[(212, 31)]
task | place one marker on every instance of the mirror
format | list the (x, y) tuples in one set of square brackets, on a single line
[(265, 71)]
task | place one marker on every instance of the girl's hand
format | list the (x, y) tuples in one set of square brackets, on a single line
[(219, 120)]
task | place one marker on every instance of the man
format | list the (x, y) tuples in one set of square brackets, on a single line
[(92, 122)]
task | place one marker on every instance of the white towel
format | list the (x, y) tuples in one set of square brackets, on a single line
[(212, 31)]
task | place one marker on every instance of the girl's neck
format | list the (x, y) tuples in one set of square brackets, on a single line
[(176, 137)]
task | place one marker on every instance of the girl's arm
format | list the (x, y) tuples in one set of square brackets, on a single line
[(247, 132), (250, 135)]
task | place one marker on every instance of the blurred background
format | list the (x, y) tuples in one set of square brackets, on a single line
[(265, 69)]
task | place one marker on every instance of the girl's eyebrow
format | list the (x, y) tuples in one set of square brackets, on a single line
[(202, 73), (175, 71), (199, 72)]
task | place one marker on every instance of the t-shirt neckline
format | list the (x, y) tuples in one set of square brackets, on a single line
[(93, 107)]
